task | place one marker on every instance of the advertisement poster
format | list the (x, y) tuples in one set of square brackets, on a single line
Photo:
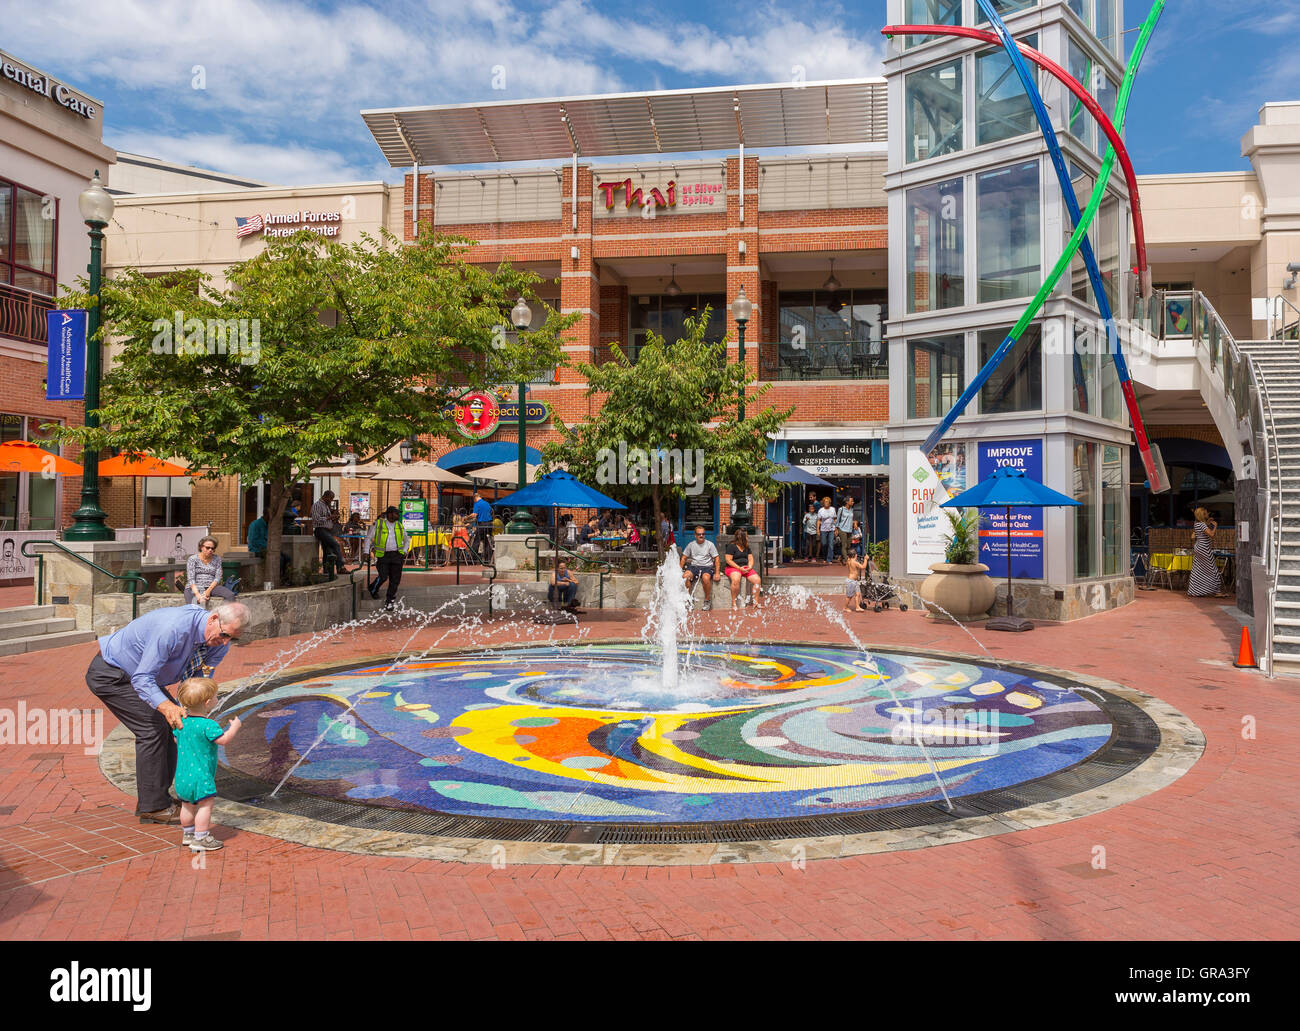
[(415, 515), (931, 481), (359, 502), (66, 359), (14, 565), (173, 543), (1026, 523)]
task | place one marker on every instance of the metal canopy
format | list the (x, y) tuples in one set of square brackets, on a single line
[(813, 114)]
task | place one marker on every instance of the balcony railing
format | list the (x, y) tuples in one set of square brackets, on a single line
[(826, 360), (22, 314)]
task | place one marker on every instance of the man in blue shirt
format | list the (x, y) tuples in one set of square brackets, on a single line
[(131, 673), (258, 538), (483, 529)]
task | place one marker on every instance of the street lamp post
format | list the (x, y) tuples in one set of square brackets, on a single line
[(741, 309), (522, 317), (91, 524)]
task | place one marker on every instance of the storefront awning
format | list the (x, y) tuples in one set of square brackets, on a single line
[(487, 454), (813, 114)]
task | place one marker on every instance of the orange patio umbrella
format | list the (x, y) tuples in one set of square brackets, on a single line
[(22, 456), (137, 463)]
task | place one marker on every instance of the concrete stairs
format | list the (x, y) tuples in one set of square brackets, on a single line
[(33, 628), (1277, 363)]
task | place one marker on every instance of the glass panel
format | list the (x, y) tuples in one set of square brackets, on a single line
[(1085, 516), (797, 317), (1002, 108), (1111, 395), (1107, 98), (1008, 244), (11, 428), (934, 112), (1084, 10), (1106, 31), (936, 249), (830, 335), (1084, 362), (930, 12), (717, 305), (1082, 125), (33, 233), (1079, 285), (935, 375), (1108, 247), (42, 495), (1004, 8), (1016, 385), (6, 227), (1112, 509)]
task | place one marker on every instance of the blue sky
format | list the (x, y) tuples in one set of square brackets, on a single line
[(282, 82)]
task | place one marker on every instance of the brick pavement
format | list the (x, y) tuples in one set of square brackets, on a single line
[(1213, 856)]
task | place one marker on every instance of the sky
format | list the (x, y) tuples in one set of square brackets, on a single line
[(271, 89)]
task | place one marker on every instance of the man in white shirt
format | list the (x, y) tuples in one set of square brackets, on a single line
[(826, 528), (700, 562)]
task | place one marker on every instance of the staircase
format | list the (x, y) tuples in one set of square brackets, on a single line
[(1277, 367), (33, 628)]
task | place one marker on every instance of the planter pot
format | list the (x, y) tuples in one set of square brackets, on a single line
[(962, 592)]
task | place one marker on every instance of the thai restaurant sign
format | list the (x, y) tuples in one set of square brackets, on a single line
[(637, 196)]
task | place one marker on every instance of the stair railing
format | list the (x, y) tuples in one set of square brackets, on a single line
[(1285, 330), (135, 582)]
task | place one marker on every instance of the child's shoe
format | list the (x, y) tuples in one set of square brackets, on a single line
[(187, 838), (208, 844)]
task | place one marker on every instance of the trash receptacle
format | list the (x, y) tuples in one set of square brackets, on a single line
[(229, 569)]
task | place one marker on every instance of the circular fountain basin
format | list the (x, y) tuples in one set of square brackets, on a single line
[(795, 737)]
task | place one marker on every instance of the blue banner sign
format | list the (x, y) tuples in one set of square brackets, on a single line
[(65, 377), (1026, 523)]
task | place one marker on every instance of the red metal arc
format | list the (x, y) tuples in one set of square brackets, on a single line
[(1075, 87)]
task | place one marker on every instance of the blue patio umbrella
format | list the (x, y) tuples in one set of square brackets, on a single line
[(558, 489), (1009, 488)]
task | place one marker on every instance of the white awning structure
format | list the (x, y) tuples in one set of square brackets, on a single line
[(812, 114)]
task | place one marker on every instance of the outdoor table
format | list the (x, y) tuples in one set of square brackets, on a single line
[(1172, 562), (614, 543)]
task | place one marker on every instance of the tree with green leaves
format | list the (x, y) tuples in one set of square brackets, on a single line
[(313, 349), (678, 401)]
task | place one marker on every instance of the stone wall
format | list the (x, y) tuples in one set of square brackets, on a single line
[(1043, 601)]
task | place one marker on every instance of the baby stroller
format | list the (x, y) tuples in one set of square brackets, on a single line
[(878, 593)]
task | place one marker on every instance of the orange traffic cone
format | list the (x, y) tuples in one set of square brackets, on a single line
[(1246, 654)]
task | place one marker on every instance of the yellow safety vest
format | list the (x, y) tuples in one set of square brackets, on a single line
[(381, 537)]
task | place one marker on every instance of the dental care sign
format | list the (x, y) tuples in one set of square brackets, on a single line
[(1026, 523), (931, 481)]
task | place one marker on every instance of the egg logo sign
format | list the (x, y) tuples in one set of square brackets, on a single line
[(477, 415)]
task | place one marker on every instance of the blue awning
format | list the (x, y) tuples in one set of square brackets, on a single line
[(487, 454)]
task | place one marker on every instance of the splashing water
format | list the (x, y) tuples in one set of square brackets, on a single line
[(669, 617)]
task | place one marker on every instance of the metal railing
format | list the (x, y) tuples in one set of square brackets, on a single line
[(133, 578), (825, 360), (536, 544), (1285, 330), (23, 314)]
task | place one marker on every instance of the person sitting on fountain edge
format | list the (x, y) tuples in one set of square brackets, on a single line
[(700, 561), (565, 584)]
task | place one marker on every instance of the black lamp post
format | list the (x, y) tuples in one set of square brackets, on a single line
[(741, 309), (522, 317), (91, 524)]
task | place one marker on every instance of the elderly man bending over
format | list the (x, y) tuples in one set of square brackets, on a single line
[(132, 672)]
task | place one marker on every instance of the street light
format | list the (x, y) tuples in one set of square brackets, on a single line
[(91, 524), (522, 317), (741, 309)]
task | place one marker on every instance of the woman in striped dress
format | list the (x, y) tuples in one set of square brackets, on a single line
[(1204, 581)]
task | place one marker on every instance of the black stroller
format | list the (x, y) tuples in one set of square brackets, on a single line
[(878, 593)]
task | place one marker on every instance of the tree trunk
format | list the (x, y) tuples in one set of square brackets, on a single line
[(277, 502)]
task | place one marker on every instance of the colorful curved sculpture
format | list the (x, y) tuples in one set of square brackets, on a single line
[(1156, 475)]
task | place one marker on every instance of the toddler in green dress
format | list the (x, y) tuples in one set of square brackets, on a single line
[(196, 761)]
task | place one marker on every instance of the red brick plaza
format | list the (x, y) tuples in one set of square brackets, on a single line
[(1214, 856)]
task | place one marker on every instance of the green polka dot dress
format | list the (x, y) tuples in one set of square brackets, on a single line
[(196, 758)]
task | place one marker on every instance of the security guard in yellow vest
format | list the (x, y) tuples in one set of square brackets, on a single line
[(389, 542)]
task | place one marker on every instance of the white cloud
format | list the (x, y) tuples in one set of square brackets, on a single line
[(283, 164)]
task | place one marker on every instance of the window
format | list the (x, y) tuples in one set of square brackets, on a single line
[(1107, 97), (1004, 8), (1112, 509), (934, 112), (1002, 107), (1086, 524), (1084, 10), (667, 317), (1016, 385), (1007, 236), (1081, 124), (1084, 353), (930, 12), (936, 375), (1079, 285), (1106, 28), (28, 230), (936, 248), (830, 335), (27, 501)]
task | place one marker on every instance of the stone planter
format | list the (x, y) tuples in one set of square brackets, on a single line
[(963, 592)]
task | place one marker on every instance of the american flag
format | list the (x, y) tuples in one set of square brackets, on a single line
[(245, 226)]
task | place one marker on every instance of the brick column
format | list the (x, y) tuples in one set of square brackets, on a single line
[(742, 269), (426, 204), (579, 277)]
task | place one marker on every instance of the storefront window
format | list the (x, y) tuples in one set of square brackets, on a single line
[(1086, 521), (1081, 124), (28, 229), (934, 112), (27, 501), (1112, 509), (1008, 245), (930, 12), (829, 334), (1016, 385), (936, 375), (1002, 107), (936, 248)]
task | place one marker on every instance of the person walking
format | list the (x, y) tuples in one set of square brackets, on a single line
[(1205, 581), (826, 530), (844, 525), (389, 542), (483, 528), (322, 521), (131, 672), (811, 545)]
